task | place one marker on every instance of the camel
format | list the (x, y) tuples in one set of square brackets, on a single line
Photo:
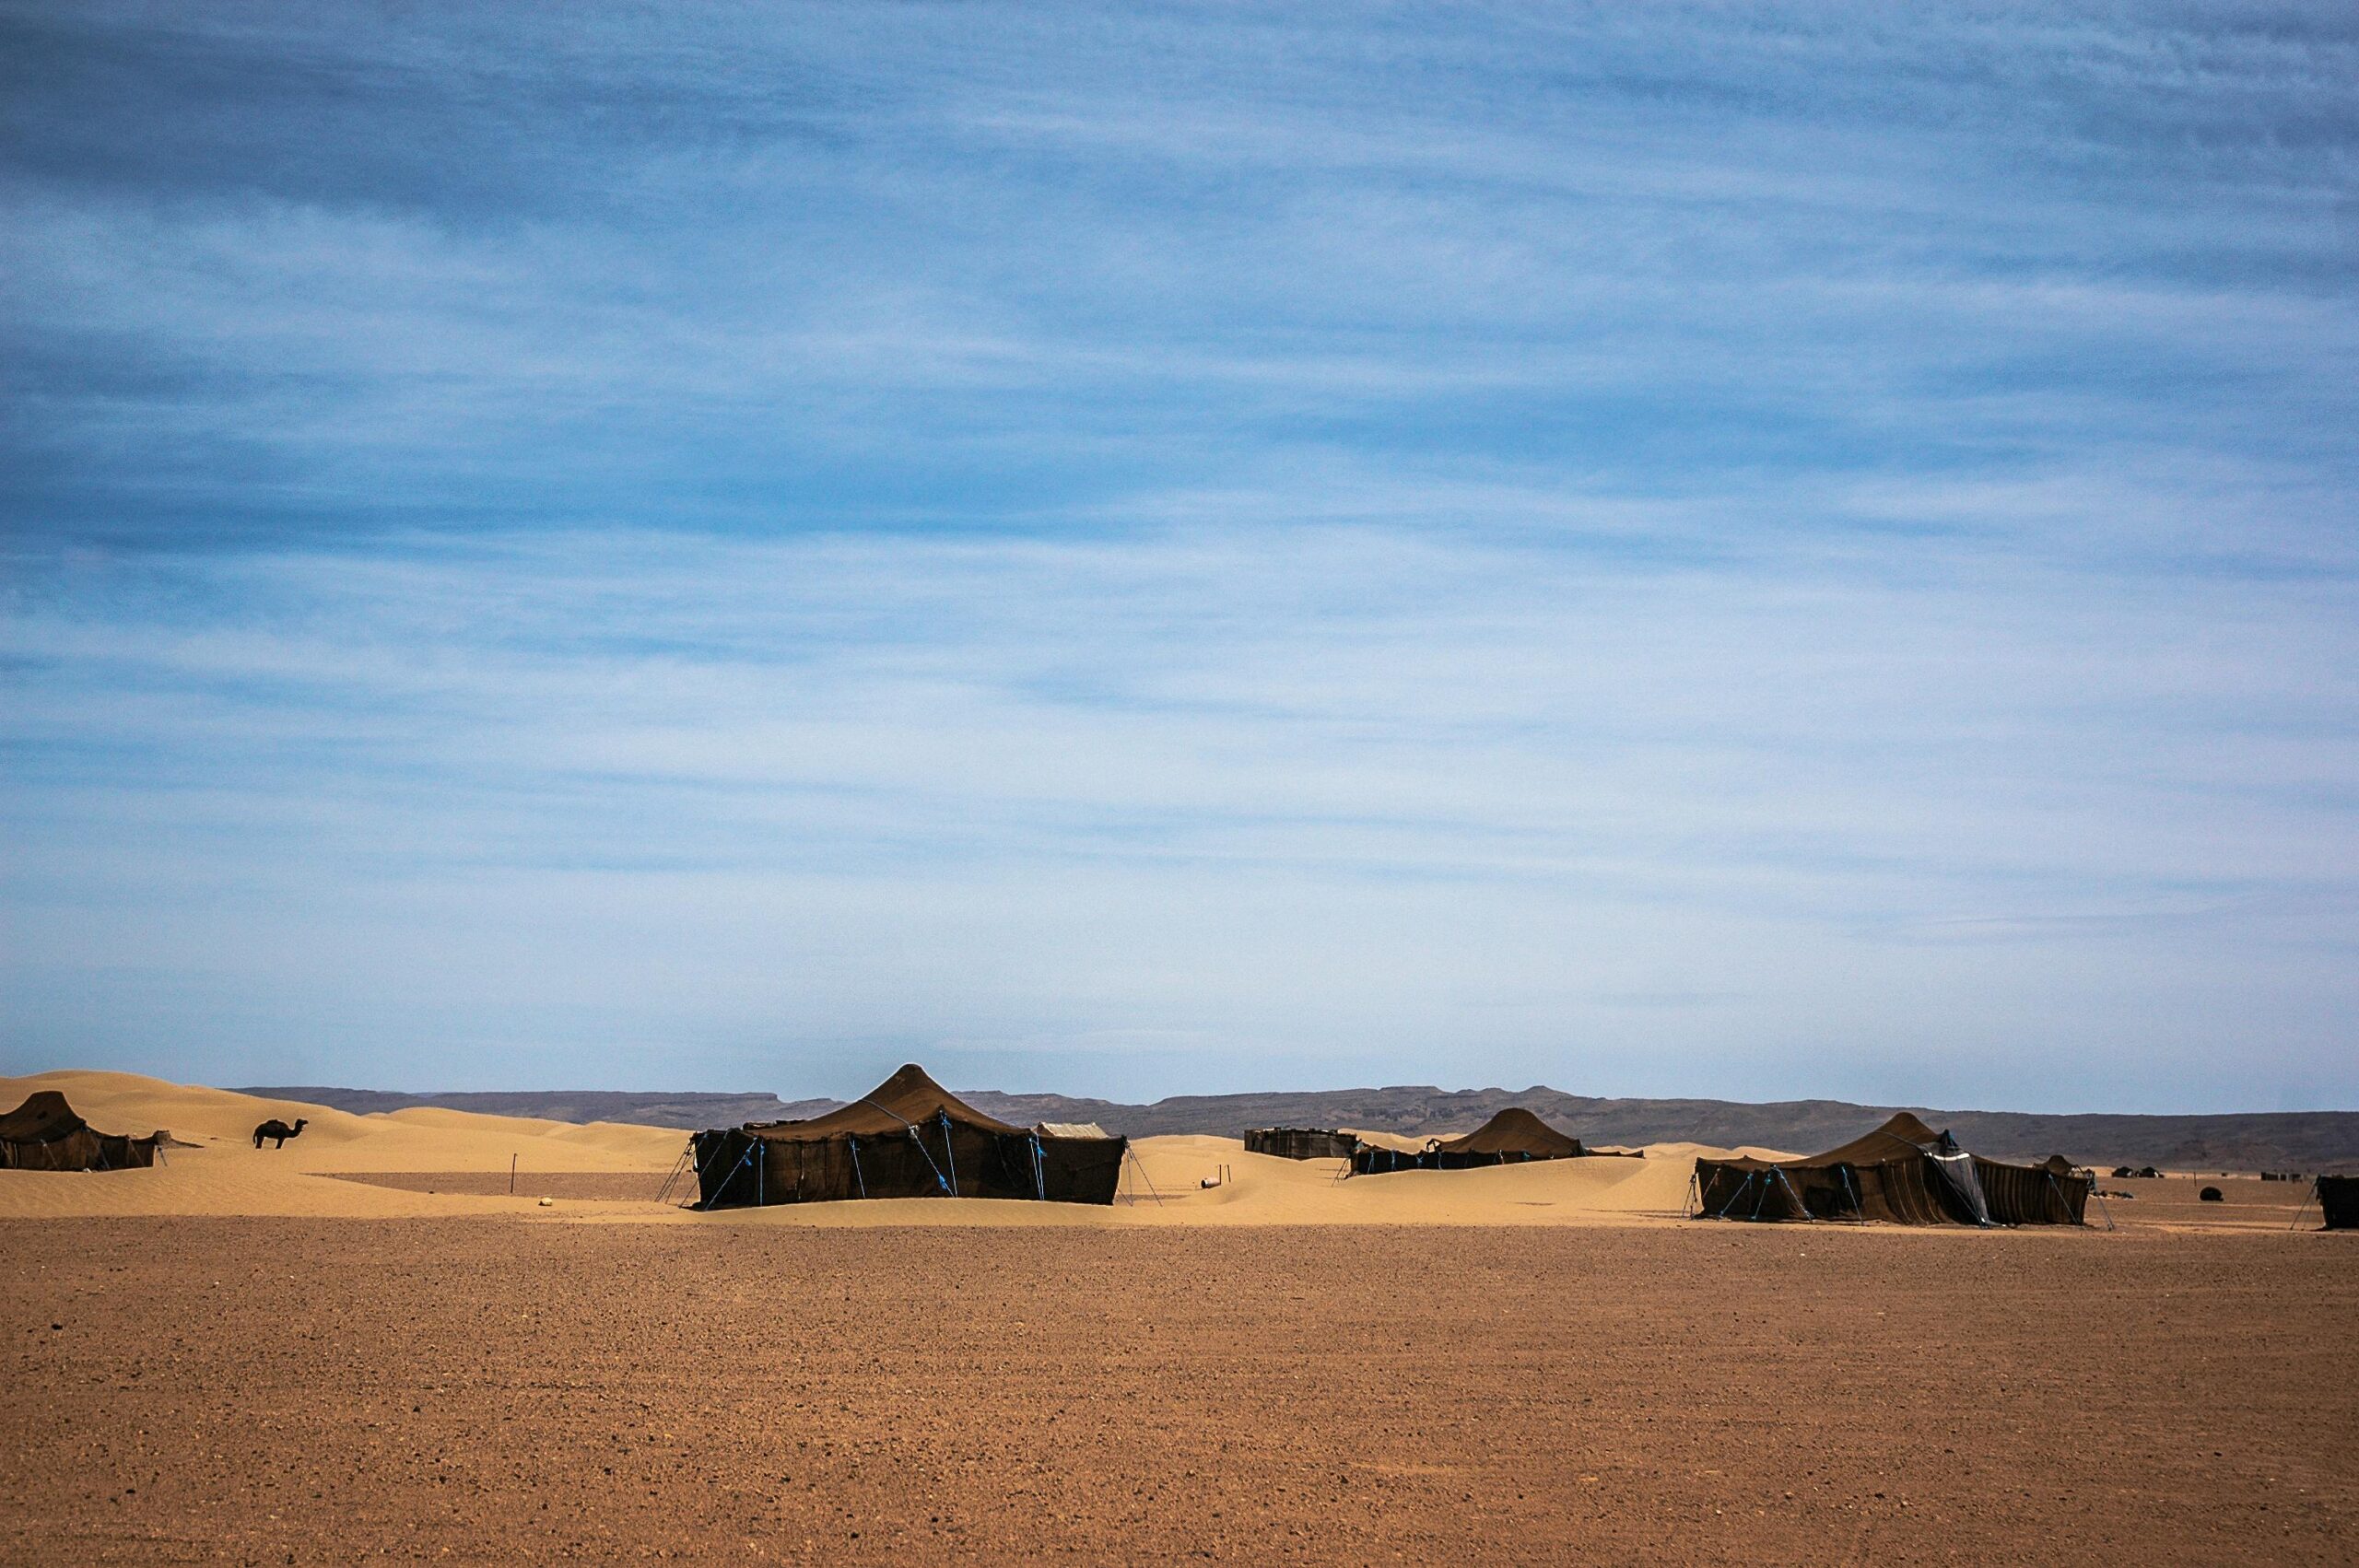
[(276, 1128)]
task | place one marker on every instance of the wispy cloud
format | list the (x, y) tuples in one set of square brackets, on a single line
[(1310, 792)]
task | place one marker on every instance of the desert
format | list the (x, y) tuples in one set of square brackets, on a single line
[(365, 1348)]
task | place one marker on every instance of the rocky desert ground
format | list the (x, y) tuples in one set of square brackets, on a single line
[(363, 1347)]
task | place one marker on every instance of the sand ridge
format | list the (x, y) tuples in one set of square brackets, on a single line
[(223, 1174)]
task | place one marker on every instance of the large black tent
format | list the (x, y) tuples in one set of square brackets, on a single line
[(1903, 1172), (2339, 1202), (909, 1138), (1511, 1138), (44, 1134)]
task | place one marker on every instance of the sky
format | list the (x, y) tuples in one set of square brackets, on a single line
[(1755, 553)]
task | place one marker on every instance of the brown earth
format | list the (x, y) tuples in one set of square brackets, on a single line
[(491, 1390)]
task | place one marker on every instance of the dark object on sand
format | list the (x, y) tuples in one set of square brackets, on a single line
[(1513, 1136), (909, 1138), (44, 1134), (2339, 1200), (1301, 1142), (2210, 1195), (1903, 1172), (280, 1132)]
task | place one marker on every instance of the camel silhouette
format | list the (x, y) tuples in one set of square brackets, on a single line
[(276, 1128)]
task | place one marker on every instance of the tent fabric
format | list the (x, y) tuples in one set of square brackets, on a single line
[(1301, 1142), (909, 1138), (1514, 1131), (1903, 1173), (1512, 1136), (1070, 1129), (2339, 1202), (44, 1134)]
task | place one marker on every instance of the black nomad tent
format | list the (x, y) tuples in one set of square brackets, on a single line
[(43, 1134), (1511, 1138), (2339, 1200), (1301, 1142), (1904, 1172), (907, 1138)]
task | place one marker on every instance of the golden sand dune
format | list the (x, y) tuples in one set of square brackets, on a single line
[(226, 1174)]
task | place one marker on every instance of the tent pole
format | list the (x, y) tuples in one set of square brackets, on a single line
[(1140, 1166), (665, 1190)]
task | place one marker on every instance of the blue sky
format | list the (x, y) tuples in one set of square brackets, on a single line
[(1656, 549)]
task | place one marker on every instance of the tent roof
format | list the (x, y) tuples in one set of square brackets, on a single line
[(1513, 1131), (1885, 1144), (1902, 1134), (1070, 1129), (43, 1118), (907, 1099)]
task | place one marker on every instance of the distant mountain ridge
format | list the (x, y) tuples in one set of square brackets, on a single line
[(2307, 1140)]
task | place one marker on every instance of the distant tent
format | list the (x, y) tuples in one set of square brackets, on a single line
[(1904, 1172), (2338, 1200), (1511, 1138), (43, 1134), (1301, 1142), (907, 1138)]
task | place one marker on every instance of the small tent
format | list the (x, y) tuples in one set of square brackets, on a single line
[(1511, 1138), (1903, 1172), (2339, 1202), (907, 1138), (44, 1134), (1301, 1142)]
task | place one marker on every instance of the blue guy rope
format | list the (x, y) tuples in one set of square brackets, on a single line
[(861, 1181), (949, 1154), (929, 1157)]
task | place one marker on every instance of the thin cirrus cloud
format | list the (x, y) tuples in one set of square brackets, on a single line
[(1658, 551)]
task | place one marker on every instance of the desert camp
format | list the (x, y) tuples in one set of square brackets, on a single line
[(1903, 1173), (1512, 1136), (44, 1134), (907, 1138)]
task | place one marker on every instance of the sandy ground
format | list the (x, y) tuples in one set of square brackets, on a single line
[(362, 1347), (276, 1390)]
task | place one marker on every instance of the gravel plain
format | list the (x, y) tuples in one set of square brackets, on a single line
[(494, 1390)]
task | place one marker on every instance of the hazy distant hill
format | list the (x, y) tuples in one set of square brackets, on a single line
[(2291, 1140), (569, 1104), (2307, 1140)]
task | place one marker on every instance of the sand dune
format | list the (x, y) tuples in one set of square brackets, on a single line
[(224, 1173)]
